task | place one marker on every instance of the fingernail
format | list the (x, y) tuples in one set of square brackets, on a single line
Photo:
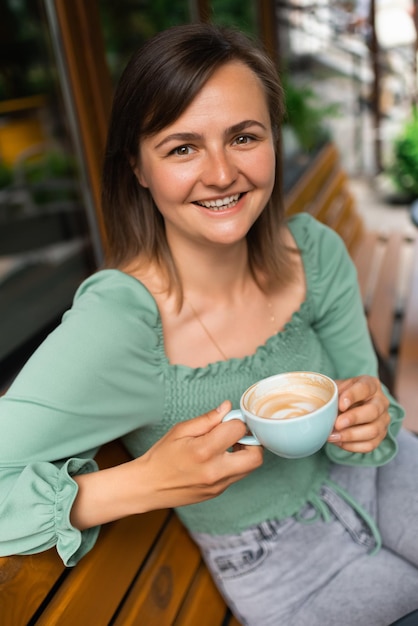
[(221, 406), (334, 437), (346, 403)]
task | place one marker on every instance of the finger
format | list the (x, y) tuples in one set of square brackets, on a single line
[(362, 414), (360, 440), (363, 447), (364, 432), (201, 425), (225, 436), (372, 430), (245, 459), (343, 384), (357, 390), (221, 469)]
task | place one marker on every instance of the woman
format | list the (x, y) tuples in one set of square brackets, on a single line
[(207, 289)]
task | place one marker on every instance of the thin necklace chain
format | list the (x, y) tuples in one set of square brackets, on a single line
[(204, 327), (211, 337)]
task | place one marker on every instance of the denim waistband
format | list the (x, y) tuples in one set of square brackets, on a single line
[(332, 502)]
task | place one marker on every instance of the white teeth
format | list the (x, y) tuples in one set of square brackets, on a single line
[(220, 203)]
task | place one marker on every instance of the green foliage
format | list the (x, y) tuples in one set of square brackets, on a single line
[(404, 169), (24, 54), (238, 13), (127, 24), (53, 164), (306, 114), (48, 178), (6, 176)]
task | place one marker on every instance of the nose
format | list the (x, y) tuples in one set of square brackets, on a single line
[(219, 169)]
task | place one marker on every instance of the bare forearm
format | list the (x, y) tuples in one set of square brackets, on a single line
[(191, 463), (105, 496)]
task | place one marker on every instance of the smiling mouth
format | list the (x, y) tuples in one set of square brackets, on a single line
[(220, 204)]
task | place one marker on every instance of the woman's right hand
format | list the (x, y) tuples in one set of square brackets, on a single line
[(191, 463)]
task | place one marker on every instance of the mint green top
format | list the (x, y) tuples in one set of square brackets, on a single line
[(103, 373)]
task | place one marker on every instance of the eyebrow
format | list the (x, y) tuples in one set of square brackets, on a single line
[(187, 137)]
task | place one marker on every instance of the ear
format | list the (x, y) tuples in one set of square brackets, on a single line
[(138, 174)]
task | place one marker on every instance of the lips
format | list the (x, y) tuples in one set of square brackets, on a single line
[(220, 204)]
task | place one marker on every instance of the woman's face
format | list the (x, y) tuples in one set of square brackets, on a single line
[(212, 171)]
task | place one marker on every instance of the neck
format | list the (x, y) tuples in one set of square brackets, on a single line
[(219, 272)]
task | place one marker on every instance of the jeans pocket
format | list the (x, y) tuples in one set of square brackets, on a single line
[(237, 561), (232, 556)]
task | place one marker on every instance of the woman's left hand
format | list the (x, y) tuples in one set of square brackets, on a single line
[(363, 418)]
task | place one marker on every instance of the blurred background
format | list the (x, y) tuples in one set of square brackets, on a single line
[(348, 67)]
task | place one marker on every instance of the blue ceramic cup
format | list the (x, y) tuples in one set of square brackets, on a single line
[(290, 414)]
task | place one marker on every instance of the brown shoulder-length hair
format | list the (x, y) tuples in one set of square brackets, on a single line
[(158, 84)]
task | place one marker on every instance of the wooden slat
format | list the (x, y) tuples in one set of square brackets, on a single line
[(363, 260), (24, 583), (330, 197), (382, 309), (93, 589), (204, 604), (304, 192), (157, 594), (268, 27), (345, 214), (90, 85), (352, 232), (336, 210), (406, 380), (113, 453), (334, 205)]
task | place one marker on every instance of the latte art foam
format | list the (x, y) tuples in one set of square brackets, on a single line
[(285, 404)]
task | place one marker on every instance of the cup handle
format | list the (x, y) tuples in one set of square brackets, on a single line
[(247, 440)]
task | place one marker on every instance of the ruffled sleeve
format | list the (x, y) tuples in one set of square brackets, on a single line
[(97, 377), (338, 319)]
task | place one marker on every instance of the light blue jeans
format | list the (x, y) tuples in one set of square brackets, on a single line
[(293, 573)]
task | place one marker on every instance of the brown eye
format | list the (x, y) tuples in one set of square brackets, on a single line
[(243, 140), (182, 151)]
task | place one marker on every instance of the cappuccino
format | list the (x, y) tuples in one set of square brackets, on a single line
[(285, 404)]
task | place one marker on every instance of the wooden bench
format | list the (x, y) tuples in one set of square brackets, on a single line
[(145, 569), (387, 266)]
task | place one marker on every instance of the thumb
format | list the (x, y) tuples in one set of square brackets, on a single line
[(203, 424)]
